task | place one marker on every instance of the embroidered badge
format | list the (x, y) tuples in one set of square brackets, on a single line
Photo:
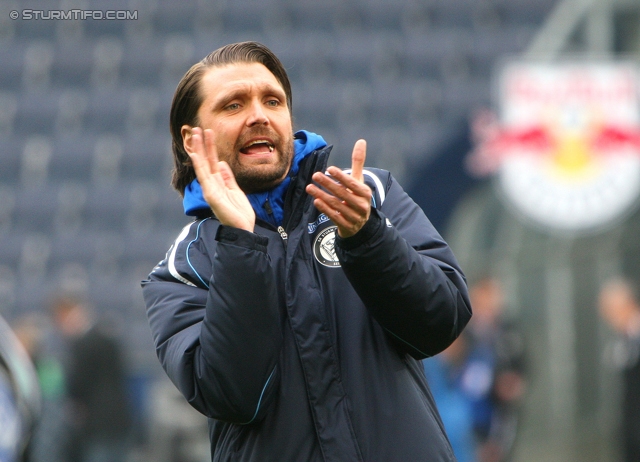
[(322, 218), (324, 247)]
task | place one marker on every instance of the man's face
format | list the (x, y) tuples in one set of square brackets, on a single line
[(246, 108)]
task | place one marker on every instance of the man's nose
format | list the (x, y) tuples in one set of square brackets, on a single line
[(257, 115)]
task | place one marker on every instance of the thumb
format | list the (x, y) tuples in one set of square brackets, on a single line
[(358, 157)]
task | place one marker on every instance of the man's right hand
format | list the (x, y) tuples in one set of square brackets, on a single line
[(219, 188)]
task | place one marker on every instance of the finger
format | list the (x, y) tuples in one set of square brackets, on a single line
[(336, 216), (227, 175), (329, 204), (358, 157), (342, 185), (348, 181), (346, 226), (210, 150), (198, 157)]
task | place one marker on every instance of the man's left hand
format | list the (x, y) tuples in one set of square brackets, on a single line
[(344, 198)]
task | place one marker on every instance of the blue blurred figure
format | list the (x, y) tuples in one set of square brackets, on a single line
[(498, 372), (484, 374), (445, 373)]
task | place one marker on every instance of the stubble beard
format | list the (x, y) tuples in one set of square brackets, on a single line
[(259, 177)]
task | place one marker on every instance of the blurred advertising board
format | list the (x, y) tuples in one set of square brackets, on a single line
[(564, 143)]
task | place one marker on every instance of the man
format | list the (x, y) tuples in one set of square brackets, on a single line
[(293, 310), (485, 377), (619, 307), (95, 380)]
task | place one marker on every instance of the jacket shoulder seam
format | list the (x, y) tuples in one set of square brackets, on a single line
[(171, 261)]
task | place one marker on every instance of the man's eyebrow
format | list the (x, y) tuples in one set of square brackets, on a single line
[(224, 96), (242, 89)]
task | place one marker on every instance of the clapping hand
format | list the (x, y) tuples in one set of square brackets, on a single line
[(219, 188), (344, 198)]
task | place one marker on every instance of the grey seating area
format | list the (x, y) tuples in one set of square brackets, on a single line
[(85, 200)]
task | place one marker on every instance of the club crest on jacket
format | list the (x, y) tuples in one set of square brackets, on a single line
[(324, 247)]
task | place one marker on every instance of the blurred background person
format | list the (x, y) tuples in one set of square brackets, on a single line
[(618, 303), (445, 373), (497, 374), (479, 382), (96, 388), (19, 397)]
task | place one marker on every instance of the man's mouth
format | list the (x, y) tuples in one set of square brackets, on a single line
[(258, 147)]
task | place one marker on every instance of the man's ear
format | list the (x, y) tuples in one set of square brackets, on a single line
[(187, 140)]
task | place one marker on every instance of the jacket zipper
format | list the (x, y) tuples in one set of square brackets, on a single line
[(269, 210)]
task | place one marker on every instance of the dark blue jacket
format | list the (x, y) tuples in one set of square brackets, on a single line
[(302, 346)]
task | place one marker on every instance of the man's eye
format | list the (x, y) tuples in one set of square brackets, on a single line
[(273, 102), (233, 106)]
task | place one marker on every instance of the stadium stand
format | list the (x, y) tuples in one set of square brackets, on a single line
[(85, 150)]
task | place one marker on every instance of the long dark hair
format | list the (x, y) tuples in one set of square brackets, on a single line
[(187, 99)]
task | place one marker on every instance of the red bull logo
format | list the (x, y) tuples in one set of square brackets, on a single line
[(565, 146)]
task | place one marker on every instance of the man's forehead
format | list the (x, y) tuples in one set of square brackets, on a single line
[(238, 76)]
